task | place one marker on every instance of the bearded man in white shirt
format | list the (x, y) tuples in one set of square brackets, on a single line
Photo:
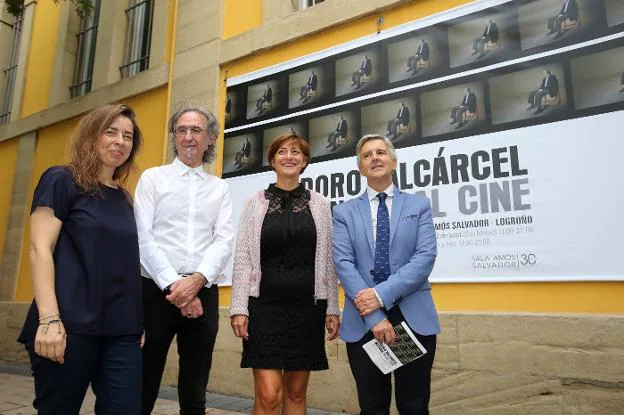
[(183, 217)]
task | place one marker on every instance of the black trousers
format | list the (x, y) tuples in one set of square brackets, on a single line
[(238, 157), (551, 24), (195, 339), (412, 61), (457, 113), (535, 97), (393, 127), (554, 23), (303, 92), (111, 364), (357, 75), (478, 45), (412, 382), (332, 138)]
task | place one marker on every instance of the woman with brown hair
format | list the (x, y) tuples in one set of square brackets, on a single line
[(284, 286), (85, 323)]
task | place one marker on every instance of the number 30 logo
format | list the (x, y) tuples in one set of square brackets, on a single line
[(528, 259)]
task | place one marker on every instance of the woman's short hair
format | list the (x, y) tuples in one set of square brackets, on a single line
[(83, 159), (369, 137), (282, 139), (212, 128)]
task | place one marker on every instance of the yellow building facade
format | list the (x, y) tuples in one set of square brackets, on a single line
[(506, 348)]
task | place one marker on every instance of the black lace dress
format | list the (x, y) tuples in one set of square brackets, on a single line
[(286, 324)]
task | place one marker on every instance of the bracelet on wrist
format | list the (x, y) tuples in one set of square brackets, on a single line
[(48, 316)]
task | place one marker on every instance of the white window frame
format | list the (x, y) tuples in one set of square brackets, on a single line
[(140, 18), (85, 52), (304, 4), (10, 70)]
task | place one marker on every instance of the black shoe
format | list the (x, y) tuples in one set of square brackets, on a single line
[(481, 55), (558, 35), (539, 110), (328, 145), (452, 122), (622, 90), (334, 148), (460, 125)]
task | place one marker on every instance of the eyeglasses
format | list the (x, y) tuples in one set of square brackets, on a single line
[(182, 131)]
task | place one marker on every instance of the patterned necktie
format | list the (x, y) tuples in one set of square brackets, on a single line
[(382, 243)]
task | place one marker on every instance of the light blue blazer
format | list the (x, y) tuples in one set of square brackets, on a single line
[(413, 251)]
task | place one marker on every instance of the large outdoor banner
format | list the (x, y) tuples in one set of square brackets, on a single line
[(507, 115)]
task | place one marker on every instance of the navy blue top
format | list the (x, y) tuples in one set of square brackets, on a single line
[(96, 259)]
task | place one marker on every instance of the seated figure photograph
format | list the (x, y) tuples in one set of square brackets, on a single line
[(568, 15), (265, 100), (242, 155), (489, 36), (365, 71), (340, 133), (415, 62), (309, 88), (465, 110), (401, 121), (549, 87), (228, 108)]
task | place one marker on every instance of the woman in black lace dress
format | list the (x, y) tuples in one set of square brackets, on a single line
[(284, 286)]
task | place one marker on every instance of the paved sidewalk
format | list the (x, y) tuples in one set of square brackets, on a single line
[(16, 396)]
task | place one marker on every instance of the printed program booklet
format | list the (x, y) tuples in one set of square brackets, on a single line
[(405, 349)]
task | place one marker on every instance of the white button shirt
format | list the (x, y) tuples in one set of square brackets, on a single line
[(184, 222), (374, 206)]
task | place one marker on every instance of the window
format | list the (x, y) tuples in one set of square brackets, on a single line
[(10, 71), (85, 53), (139, 37), (309, 3)]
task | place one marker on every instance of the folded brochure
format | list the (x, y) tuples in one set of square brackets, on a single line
[(405, 349)]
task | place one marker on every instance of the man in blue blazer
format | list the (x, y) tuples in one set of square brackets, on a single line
[(384, 250)]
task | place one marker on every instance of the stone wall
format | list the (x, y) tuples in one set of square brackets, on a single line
[(496, 364), (488, 363), (11, 320)]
